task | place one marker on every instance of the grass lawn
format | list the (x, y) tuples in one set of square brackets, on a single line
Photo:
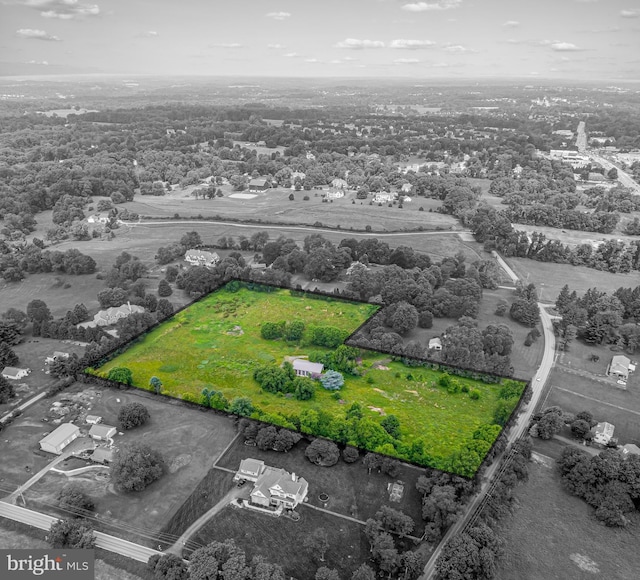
[(279, 540), (216, 342), (553, 534)]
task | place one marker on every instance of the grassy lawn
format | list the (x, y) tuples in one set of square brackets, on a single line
[(216, 343), (553, 533), (279, 540)]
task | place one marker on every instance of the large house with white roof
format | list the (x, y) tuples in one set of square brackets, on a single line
[(273, 487)]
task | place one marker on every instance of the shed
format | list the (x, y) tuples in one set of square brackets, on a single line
[(102, 455), (93, 419), (102, 432), (435, 343), (58, 439), (258, 185), (305, 368)]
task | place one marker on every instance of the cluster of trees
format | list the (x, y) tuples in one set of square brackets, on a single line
[(133, 415), (290, 331), (16, 261), (608, 482), (597, 317), (268, 437), (71, 533), (550, 216), (275, 379), (475, 552), (12, 325), (136, 466), (176, 251), (524, 309), (215, 561), (489, 350), (497, 233)]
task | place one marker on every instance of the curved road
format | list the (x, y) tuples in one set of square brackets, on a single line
[(521, 424), (290, 227), (104, 541)]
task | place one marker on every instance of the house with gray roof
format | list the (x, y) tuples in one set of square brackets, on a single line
[(305, 368)]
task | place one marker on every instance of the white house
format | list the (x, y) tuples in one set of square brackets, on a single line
[(406, 187), (619, 367), (102, 432), (112, 315), (335, 193), (58, 439), (383, 197), (98, 219), (435, 343), (629, 449), (93, 419), (603, 433), (201, 258), (56, 356), (339, 183), (273, 486), (305, 368), (14, 373)]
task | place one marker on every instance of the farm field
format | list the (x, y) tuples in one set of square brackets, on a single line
[(550, 278), (553, 534), (275, 204), (216, 343)]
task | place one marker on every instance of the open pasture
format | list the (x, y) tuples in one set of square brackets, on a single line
[(553, 534), (216, 343), (275, 204)]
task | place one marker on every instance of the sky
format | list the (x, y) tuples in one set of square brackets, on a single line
[(585, 40)]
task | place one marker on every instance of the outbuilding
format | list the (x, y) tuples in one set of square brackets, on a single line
[(15, 373), (58, 439), (102, 432)]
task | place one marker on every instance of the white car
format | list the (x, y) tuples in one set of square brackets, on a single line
[(621, 382)]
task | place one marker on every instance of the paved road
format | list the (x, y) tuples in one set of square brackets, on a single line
[(581, 138), (348, 233), (24, 405), (505, 267), (521, 424), (623, 177), (104, 541)]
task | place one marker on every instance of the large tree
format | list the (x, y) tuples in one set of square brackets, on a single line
[(323, 452), (73, 498), (71, 533), (317, 543), (133, 415), (135, 466)]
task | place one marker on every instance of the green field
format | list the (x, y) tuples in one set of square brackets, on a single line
[(216, 343)]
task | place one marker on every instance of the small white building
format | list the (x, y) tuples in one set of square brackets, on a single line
[(56, 356), (435, 343), (383, 197), (603, 433), (102, 432), (14, 373), (334, 193), (58, 439), (201, 258), (93, 419), (628, 450), (339, 183), (305, 368)]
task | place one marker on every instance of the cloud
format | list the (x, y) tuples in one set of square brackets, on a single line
[(564, 47), (63, 9), (427, 6), (228, 45), (276, 46), (355, 44), (458, 49), (36, 34), (312, 60), (403, 43), (291, 55), (43, 62), (511, 24), (406, 61), (279, 15), (630, 13), (151, 33)]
